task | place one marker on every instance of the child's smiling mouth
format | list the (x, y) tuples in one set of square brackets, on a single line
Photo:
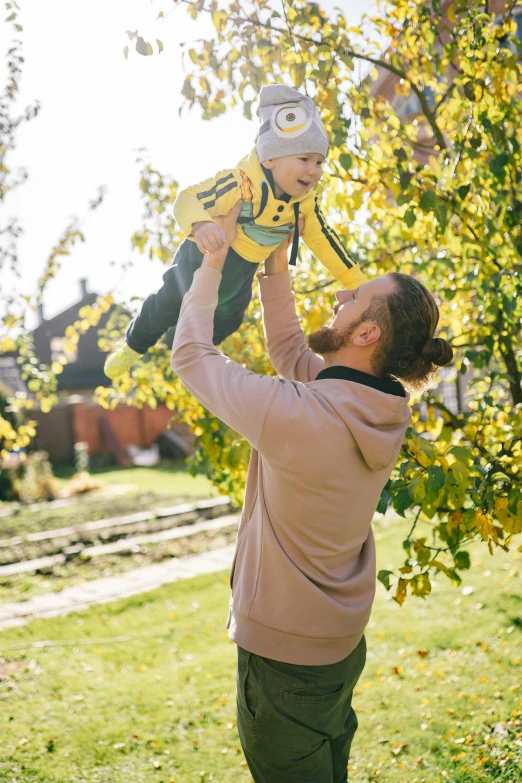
[(304, 183)]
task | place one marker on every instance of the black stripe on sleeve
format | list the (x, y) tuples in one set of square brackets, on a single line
[(219, 193), (333, 239), (212, 190)]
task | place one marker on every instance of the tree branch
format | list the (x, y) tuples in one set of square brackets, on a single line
[(349, 52)]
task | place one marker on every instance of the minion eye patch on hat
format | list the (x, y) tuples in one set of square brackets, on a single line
[(291, 124), (290, 119)]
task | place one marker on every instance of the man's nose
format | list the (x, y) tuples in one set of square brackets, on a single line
[(342, 296)]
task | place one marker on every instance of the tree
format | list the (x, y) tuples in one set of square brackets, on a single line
[(15, 337), (455, 222)]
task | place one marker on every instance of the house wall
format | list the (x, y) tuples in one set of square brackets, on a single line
[(78, 420), (140, 427)]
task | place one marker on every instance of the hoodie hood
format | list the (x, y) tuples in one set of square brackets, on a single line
[(376, 412)]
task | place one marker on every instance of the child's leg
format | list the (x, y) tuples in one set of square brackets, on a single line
[(161, 310), (235, 293)]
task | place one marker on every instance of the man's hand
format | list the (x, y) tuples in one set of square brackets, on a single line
[(277, 261), (227, 224), (209, 237)]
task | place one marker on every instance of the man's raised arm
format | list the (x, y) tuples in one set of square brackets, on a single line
[(286, 343), (237, 396)]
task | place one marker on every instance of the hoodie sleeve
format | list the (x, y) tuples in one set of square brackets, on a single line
[(326, 246), (286, 344), (237, 396), (213, 197)]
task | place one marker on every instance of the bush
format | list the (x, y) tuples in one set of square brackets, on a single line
[(31, 480)]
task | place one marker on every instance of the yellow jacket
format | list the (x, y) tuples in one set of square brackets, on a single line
[(264, 220)]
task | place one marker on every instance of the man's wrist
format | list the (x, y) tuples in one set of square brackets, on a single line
[(275, 264), (215, 260)]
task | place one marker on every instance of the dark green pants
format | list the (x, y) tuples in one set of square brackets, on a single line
[(296, 723), (160, 311)]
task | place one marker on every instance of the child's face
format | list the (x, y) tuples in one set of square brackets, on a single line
[(296, 174)]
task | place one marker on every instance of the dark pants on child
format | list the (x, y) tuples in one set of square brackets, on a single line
[(296, 723), (161, 310)]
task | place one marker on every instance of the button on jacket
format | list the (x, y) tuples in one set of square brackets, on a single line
[(217, 196)]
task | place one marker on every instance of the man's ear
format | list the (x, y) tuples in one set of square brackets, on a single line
[(367, 334), (268, 164)]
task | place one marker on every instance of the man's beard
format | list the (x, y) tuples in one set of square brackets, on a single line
[(331, 340)]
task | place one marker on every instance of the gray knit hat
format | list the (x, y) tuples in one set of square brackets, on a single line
[(291, 124)]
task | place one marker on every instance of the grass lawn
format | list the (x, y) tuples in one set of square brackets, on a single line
[(169, 477), (146, 690), (142, 489)]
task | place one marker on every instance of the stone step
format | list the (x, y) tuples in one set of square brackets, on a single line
[(112, 523), (123, 545), (100, 591)]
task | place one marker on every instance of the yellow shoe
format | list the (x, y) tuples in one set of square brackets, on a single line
[(120, 362)]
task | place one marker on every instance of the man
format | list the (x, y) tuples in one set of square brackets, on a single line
[(325, 437)]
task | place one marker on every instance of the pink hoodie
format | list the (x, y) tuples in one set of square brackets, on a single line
[(303, 578)]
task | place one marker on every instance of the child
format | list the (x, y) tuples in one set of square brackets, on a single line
[(276, 183)]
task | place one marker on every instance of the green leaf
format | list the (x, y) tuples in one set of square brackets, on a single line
[(160, 45), (346, 161), (498, 165), (461, 473), (401, 501), (384, 577), (474, 90), (384, 501), (126, 52), (462, 560), (417, 488), (194, 56), (410, 217), (436, 477), (428, 201), (400, 154), (404, 198), (462, 454)]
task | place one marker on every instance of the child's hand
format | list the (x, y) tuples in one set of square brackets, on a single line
[(209, 237), (228, 225)]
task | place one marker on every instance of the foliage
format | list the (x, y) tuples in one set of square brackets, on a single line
[(15, 337), (30, 480), (436, 192)]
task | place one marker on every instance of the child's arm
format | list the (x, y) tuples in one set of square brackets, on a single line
[(196, 207), (324, 243)]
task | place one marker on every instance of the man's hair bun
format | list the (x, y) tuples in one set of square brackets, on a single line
[(438, 351)]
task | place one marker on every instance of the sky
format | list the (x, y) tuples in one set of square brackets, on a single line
[(97, 110)]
